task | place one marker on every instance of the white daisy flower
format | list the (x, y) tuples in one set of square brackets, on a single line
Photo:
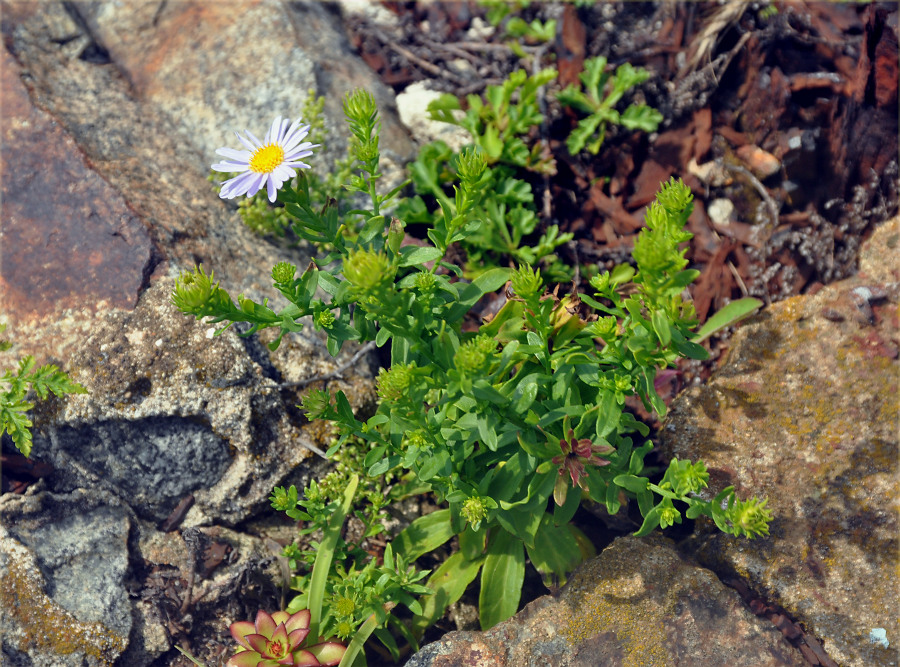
[(268, 163)]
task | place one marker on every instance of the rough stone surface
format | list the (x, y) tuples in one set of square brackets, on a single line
[(412, 105), (637, 603), (805, 412), (124, 103), (95, 249), (63, 560)]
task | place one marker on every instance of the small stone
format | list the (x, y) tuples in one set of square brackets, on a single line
[(412, 105), (720, 211), (479, 29), (762, 163)]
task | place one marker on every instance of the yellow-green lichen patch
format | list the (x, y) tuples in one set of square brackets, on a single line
[(44, 625), (612, 594)]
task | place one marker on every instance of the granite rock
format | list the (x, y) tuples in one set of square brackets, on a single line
[(638, 603), (804, 411)]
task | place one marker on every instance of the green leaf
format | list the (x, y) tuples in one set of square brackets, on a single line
[(324, 555), (555, 551), (414, 256), (448, 582), (631, 483), (730, 314), (662, 327), (501, 579), (651, 521), (641, 117), (562, 515), (424, 534), (16, 423)]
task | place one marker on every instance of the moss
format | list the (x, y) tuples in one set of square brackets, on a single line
[(48, 627)]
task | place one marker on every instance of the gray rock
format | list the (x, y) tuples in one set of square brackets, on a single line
[(63, 560), (638, 602), (121, 106), (805, 412)]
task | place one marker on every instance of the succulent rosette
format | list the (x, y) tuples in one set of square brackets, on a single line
[(277, 639)]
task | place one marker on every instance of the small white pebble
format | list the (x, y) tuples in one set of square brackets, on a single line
[(158, 342), (879, 636), (720, 211), (210, 332)]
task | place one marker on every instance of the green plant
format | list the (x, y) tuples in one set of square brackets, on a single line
[(494, 422), (499, 126), (280, 639), (356, 586), (14, 405), (601, 92)]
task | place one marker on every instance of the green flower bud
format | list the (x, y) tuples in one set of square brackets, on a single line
[(600, 282), (471, 166), (687, 477), (283, 273), (196, 293), (359, 106), (526, 282), (368, 270), (605, 327), (473, 510), (344, 606), (425, 282), (343, 630), (317, 404), (750, 517), (668, 515), (394, 384), (414, 439), (324, 319), (623, 382), (395, 235), (475, 356), (674, 195)]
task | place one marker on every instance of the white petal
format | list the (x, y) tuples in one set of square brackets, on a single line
[(296, 138), (282, 131), (292, 129), (272, 189), (231, 167), (246, 143), (256, 184), (297, 154), (253, 139), (231, 153), (236, 186), (272, 134), (284, 173), (297, 163)]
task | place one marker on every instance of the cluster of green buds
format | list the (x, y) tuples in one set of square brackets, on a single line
[(278, 639), (318, 405), (476, 355), (471, 167), (475, 509), (401, 383), (196, 294)]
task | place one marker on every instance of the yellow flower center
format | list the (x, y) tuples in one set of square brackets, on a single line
[(265, 159)]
